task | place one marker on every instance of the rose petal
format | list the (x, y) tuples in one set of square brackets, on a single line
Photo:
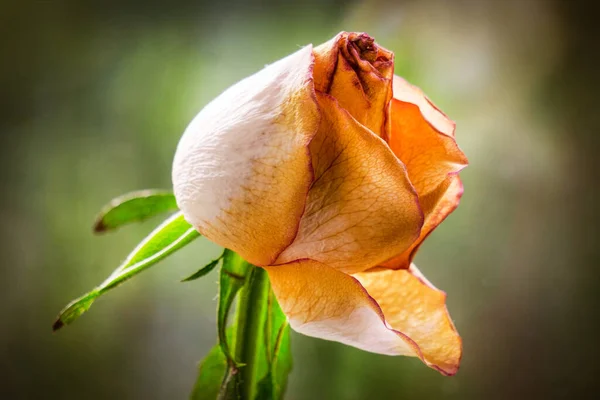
[(413, 306), (437, 205), (423, 138), (326, 57), (361, 209), (242, 168), (358, 73), (325, 303)]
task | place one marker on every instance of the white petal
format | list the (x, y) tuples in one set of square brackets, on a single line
[(242, 168)]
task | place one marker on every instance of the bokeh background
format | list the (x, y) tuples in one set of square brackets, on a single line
[(94, 97)]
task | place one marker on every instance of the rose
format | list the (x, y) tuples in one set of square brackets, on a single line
[(329, 171)]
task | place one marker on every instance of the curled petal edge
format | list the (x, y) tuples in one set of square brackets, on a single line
[(322, 302), (406, 92), (437, 208), (422, 136)]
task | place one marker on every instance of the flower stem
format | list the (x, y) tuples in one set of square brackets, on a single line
[(250, 325)]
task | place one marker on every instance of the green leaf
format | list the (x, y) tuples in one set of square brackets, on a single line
[(134, 207), (210, 375), (277, 353), (204, 270), (217, 379), (170, 236), (74, 310), (233, 277)]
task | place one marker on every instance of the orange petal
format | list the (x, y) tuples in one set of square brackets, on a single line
[(423, 138), (325, 303), (326, 56), (361, 209), (358, 73), (242, 168), (413, 306), (437, 205)]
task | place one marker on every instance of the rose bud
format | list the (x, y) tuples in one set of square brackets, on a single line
[(329, 171)]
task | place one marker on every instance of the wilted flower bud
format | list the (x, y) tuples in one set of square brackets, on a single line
[(329, 171)]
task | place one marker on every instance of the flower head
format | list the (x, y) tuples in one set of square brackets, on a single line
[(329, 171)]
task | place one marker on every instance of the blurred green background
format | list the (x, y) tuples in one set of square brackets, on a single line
[(96, 94)]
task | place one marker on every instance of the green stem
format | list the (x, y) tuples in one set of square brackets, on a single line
[(250, 325)]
